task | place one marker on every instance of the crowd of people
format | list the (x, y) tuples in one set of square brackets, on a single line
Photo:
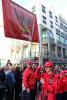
[(33, 82)]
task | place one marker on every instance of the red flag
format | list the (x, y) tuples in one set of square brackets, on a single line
[(19, 23)]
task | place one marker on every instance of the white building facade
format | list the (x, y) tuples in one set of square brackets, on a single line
[(53, 32)]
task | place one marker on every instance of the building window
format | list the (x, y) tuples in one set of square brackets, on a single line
[(63, 26), (50, 14), (52, 49), (35, 50), (57, 31), (51, 34), (26, 52), (59, 51), (44, 19), (56, 19), (44, 36), (63, 40), (43, 9), (58, 37), (64, 53), (51, 24), (45, 50)]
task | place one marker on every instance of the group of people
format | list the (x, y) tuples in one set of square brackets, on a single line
[(12, 79), (53, 86), (33, 82)]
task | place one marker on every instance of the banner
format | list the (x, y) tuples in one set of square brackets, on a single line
[(19, 23)]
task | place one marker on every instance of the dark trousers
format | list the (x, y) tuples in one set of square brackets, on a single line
[(2, 94), (17, 94), (32, 94), (10, 93), (38, 87), (59, 97), (64, 96), (28, 96)]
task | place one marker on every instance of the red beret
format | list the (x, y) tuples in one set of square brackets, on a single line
[(49, 64), (29, 62)]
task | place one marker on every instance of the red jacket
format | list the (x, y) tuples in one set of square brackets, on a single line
[(65, 84), (48, 88), (64, 80), (58, 85), (37, 73), (29, 79)]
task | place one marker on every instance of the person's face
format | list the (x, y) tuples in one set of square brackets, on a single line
[(47, 69), (66, 74), (33, 67), (8, 65)]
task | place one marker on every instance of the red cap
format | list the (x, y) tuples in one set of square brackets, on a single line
[(49, 64), (29, 62), (63, 72)]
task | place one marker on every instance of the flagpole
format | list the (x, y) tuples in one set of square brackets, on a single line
[(40, 47), (30, 50)]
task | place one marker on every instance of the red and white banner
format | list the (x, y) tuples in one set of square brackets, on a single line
[(19, 23)]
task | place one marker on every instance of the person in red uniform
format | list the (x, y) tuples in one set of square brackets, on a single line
[(51, 83), (29, 81), (58, 86), (60, 83), (63, 75), (47, 80)]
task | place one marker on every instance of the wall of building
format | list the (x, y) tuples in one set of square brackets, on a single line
[(56, 34)]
